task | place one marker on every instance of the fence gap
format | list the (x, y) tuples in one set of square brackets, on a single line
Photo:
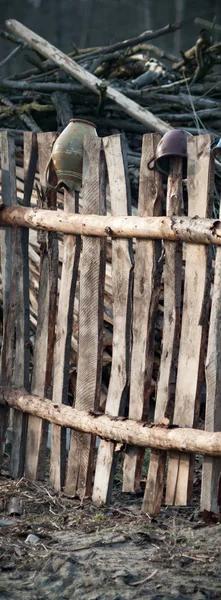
[(22, 345), (37, 428), (7, 245), (147, 281)]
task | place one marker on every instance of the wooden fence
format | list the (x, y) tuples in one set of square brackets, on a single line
[(158, 259)]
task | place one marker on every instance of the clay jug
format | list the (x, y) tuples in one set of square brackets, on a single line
[(67, 153)]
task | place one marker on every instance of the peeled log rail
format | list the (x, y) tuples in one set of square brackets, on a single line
[(194, 230), (116, 429), (91, 81)]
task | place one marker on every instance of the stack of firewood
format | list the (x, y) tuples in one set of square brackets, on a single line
[(183, 92)]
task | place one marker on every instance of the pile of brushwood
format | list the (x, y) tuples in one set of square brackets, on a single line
[(180, 92)]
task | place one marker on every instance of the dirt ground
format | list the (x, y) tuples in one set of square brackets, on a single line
[(86, 553)]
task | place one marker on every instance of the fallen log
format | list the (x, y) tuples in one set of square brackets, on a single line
[(91, 81), (116, 429), (185, 229)]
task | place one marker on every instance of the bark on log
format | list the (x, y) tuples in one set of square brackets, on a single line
[(91, 81), (116, 429), (193, 230)]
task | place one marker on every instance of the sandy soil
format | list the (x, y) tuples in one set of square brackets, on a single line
[(86, 553)]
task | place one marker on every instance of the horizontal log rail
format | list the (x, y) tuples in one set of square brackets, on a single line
[(121, 430), (185, 229)]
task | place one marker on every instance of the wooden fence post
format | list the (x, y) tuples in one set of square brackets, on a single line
[(170, 344), (194, 321), (91, 307), (211, 474), (62, 348), (147, 281), (122, 279)]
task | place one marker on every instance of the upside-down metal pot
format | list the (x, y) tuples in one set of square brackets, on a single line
[(172, 145), (67, 153), (216, 149)]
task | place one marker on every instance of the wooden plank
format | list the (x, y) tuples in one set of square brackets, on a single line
[(22, 347), (7, 246), (147, 279), (69, 274), (170, 345), (210, 489), (122, 280), (92, 274), (37, 429), (194, 318)]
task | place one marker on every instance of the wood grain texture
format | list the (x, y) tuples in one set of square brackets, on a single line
[(37, 429), (69, 274), (89, 369), (210, 488), (194, 318), (122, 279), (170, 345), (22, 346), (147, 279), (7, 246)]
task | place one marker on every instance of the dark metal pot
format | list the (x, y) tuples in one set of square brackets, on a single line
[(172, 145), (216, 149)]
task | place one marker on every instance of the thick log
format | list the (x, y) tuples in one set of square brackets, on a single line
[(116, 429), (192, 230), (91, 81)]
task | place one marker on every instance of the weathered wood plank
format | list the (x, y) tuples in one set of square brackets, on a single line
[(170, 346), (89, 370), (194, 318), (122, 280), (22, 348), (210, 489), (7, 246), (69, 274), (37, 429), (147, 278)]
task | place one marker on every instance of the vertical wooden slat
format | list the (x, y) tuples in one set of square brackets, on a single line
[(194, 320), (147, 279), (170, 346), (69, 274), (22, 352), (89, 369), (122, 279), (37, 429), (7, 242), (210, 490)]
